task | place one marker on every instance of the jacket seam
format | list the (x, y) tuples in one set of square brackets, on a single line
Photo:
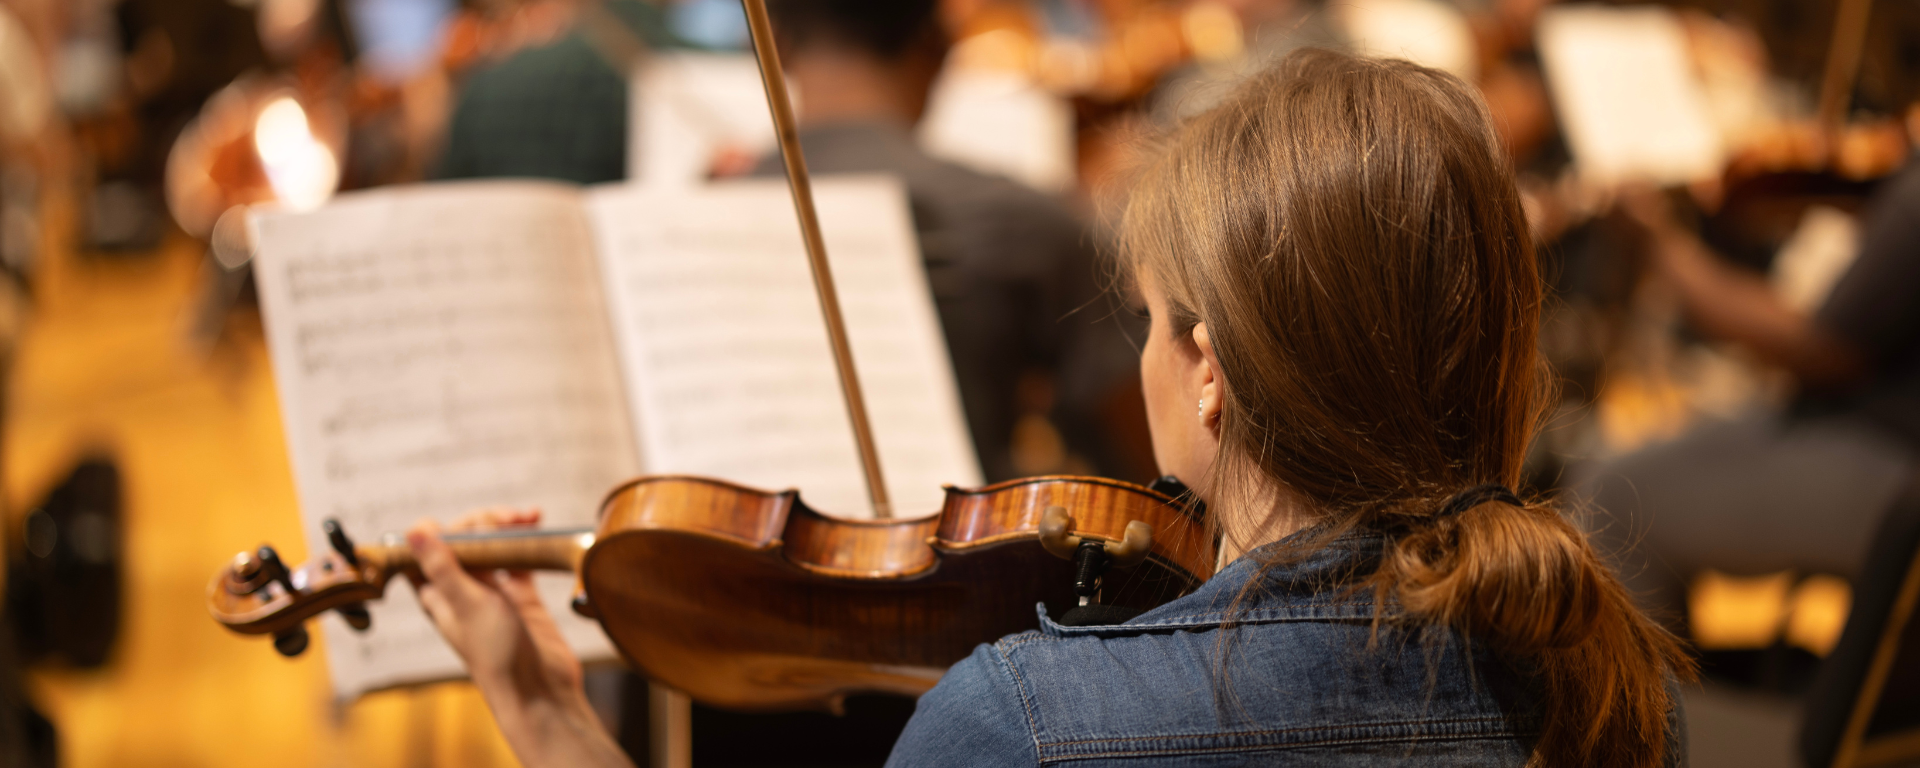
[(1341, 604), (1198, 621), (1304, 729), (1288, 746), (1026, 701), (1016, 641), (1220, 616)]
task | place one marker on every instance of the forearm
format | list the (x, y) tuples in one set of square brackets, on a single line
[(552, 731), (1729, 304), (513, 650)]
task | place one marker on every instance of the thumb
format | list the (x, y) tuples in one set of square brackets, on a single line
[(439, 566)]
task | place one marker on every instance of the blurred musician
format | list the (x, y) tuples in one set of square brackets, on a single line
[(1012, 271), (556, 110), (1799, 490)]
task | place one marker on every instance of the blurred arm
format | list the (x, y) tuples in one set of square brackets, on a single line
[(1728, 303)]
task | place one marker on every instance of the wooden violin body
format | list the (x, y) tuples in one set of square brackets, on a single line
[(748, 599), (751, 600)]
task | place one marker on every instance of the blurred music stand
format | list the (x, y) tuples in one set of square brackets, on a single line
[(1864, 707)]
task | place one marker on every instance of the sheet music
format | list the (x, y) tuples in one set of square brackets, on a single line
[(726, 353), (438, 349), (1623, 86), (1001, 122), (1430, 33), (688, 109)]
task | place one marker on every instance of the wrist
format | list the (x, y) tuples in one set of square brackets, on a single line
[(541, 724)]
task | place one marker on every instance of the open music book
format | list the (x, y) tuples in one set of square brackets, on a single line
[(445, 347)]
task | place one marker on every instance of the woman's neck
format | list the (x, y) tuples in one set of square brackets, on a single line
[(1266, 513)]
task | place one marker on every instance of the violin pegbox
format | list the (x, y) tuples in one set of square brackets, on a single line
[(258, 594)]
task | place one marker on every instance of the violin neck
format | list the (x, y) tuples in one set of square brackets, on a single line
[(536, 550)]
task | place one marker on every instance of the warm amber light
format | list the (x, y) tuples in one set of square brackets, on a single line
[(1213, 31), (1818, 612), (301, 170), (1733, 612)]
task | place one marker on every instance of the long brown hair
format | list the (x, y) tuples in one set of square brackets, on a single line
[(1350, 233)]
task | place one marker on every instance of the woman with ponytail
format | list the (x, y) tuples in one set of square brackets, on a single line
[(1341, 364), (1343, 302)]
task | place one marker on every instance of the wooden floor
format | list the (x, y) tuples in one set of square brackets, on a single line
[(104, 364)]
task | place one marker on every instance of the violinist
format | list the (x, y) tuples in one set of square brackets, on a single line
[(1343, 302), (1799, 488)]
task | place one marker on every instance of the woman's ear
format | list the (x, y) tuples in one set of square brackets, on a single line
[(1211, 390)]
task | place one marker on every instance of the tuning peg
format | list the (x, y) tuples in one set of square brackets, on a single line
[(245, 566), (356, 615), (275, 569), (243, 574), (337, 537), (291, 642)]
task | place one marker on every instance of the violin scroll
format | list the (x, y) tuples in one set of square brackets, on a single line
[(257, 593)]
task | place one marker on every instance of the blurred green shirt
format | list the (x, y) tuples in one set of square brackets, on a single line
[(557, 111)]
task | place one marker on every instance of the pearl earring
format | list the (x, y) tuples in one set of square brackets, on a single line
[(1203, 407)]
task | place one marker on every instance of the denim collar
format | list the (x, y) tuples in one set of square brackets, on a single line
[(1316, 586)]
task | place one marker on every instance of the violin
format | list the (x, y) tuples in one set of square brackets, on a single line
[(749, 599)]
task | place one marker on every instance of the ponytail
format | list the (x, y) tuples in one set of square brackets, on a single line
[(1524, 580)]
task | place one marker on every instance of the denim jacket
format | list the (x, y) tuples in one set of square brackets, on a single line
[(1305, 681)]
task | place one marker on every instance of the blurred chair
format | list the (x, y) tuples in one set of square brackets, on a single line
[(1864, 707)]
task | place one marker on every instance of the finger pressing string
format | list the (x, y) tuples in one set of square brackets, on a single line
[(439, 566)]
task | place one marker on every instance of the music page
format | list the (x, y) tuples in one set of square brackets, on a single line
[(437, 349), (1624, 88), (1001, 122), (727, 362), (691, 114)]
